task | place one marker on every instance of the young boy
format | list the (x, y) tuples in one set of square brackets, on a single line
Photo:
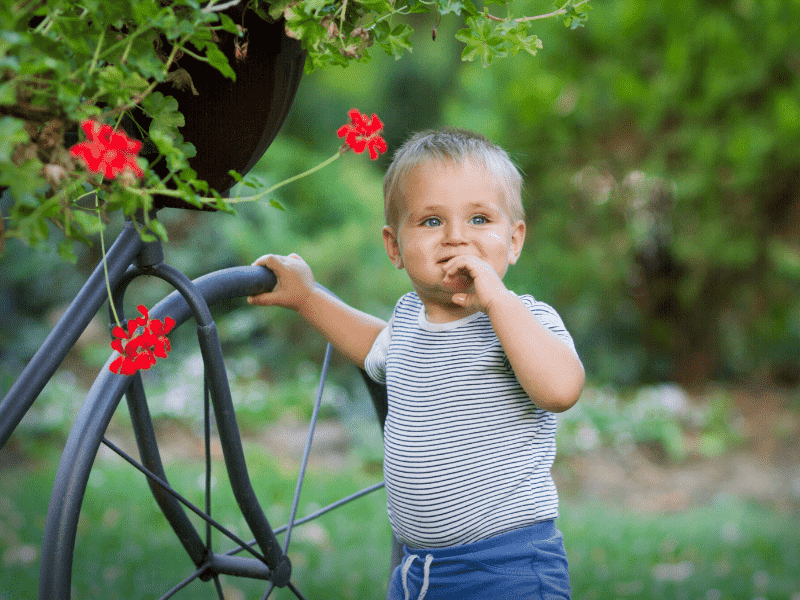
[(474, 374)]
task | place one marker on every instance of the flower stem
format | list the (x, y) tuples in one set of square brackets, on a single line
[(321, 165), (96, 55), (105, 264)]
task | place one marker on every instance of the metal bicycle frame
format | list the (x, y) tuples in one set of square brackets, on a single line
[(189, 299), (80, 312), (101, 403)]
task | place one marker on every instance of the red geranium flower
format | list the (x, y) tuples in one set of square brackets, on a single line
[(107, 151), (140, 350), (362, 134)]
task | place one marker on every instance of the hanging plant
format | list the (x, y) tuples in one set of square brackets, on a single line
[(151, 77)]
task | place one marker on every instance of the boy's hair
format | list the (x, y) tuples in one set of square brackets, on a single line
[(457, 146)]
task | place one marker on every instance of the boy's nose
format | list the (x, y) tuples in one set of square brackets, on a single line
[(454, 234)]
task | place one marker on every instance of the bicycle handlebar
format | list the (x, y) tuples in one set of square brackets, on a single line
[(215, 287), (218, 286)]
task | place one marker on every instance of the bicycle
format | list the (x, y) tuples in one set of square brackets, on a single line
[(248, 112), (128, 258)]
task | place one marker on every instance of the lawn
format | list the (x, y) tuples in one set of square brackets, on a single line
[(734, 550)]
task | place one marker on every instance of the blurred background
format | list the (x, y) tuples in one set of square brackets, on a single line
[(661, 152)]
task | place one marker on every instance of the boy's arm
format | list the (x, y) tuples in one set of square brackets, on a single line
[(545, 367), (549, 372), (351, 331)]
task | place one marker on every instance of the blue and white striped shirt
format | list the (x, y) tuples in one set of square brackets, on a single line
[(467, 455)]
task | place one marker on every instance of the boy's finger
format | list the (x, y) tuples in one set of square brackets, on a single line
[(265, 299), (460, 299), (262, 261)]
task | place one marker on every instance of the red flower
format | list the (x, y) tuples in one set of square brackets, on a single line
[(362, 133), (140, 350), (107, 151)]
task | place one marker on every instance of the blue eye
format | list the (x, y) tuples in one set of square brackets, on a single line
[(432, 222), (479, 220)]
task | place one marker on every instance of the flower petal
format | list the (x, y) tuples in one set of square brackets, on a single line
[(169, 324), (375, 125), (116, 366)]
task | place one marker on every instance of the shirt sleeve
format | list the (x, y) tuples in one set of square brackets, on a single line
[(375, 362), (550, 320)]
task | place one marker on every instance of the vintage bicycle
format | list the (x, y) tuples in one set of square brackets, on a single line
[(267, 84)]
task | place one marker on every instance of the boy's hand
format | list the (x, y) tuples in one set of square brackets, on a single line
[(481, 283), (295, 282)]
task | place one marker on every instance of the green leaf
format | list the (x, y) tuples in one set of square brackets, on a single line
[(276, 8), (517, 39), (88, 222), (218, 60), (228, 24), (376, 6), (12, 133), (66, 251), (163, 109), (449, 6), (575, 18), (145, 10), (158, 228), (275, 204), (481, 40), (395, 41)]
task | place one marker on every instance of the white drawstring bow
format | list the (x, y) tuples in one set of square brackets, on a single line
[(426, 575)]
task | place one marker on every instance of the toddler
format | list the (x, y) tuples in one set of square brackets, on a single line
[(473, 373)]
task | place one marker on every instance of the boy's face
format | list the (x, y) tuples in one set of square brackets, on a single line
[(451, 210)]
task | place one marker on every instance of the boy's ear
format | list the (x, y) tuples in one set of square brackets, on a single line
[(517, 241), (392, 247)]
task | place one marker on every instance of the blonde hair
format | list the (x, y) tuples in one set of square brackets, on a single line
[(457, 146)]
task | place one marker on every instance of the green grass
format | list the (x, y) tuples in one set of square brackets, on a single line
[(729, 551), (126, 549)]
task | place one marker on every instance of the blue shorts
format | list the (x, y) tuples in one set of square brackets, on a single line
[(528, 563)]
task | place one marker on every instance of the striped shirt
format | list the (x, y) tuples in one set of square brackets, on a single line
[(467, 455)]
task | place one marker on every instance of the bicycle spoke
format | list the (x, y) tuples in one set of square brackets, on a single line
[(319, 513), (218, 587), (185, 582), (244, 545), (269, 591), (295, 591), (330, 507), (307, 450)]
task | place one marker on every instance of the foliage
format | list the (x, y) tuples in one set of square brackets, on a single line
[(660, 157), (661, 151), (338, 31), (67, 61), (663, 418)]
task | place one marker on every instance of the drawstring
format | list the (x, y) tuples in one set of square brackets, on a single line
[(426, 575)]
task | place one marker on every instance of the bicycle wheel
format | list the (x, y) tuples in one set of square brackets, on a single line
[(266, 560)]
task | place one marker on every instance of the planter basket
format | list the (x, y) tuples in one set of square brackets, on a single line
[(232, 122)]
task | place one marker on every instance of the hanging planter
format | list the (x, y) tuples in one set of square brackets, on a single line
[(232, 122)]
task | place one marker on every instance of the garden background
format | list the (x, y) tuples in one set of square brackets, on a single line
[(661, 151)]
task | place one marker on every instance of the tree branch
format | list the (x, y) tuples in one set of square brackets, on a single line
[(212, 8), (555, 13)]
